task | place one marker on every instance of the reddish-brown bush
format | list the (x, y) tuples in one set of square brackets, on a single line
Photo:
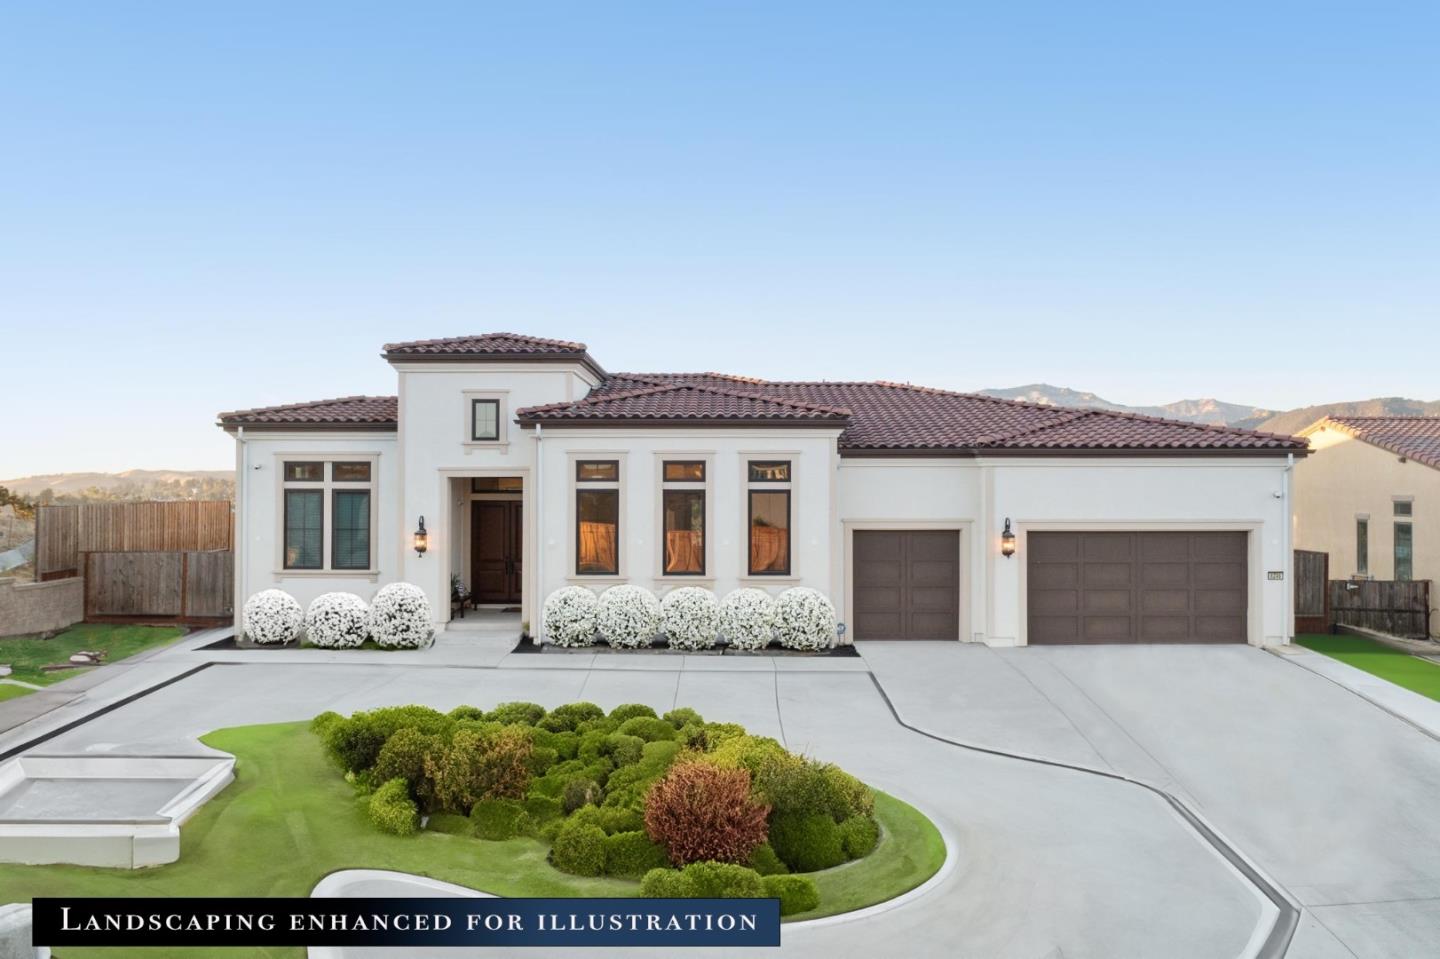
[(700, 812)]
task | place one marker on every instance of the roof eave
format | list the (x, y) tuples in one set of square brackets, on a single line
[(231, 427), (583, 359), (671, 422), (972, 452)]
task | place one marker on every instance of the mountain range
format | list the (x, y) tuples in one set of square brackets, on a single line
[(128, 484), (1220, 413)]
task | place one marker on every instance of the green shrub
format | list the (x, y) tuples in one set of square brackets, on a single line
[(499, 819), (602, 725), (542, 809), (723, 880), (858, 835), (578, 792), (632, 854), (403, 757), (548, 831), (849, 796), (355, 743), (659, 755), (648, 728), (807, 841), (630, 711), (717, 733), (682, 717), (526, 714), (579, 849), (592, 746), (550, 785), (478, 765), (612, 819), (566, 718), (564, 744), (747, 752), (793, 784), (393, 811), (796, 893), (665, 884), (764, 861), (694, 737), (466, 712), (322, 722), (624, 750), (541, 759)]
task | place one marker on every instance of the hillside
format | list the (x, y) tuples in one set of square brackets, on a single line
[(1292, 421), (128, 485)]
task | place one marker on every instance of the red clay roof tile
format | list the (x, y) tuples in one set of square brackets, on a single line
[(379, 412), (1414, 437)]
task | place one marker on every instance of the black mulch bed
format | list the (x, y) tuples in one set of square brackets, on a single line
[(658, 647)]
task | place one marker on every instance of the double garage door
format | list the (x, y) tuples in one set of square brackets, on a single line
[(1110, 587), (1136, 588)]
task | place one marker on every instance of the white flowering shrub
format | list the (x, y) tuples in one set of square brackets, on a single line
[(272, 617), (628, 616), (570, 616), (400, 617), (804, 619), (690, 617), (337, 620), (747, 618)]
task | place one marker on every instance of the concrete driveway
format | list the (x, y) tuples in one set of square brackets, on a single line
[(1332, 796)]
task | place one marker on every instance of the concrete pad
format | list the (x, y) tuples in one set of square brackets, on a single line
[(610, 688), (747, 698), (730, 664), (1385, 929), (1418, 710)]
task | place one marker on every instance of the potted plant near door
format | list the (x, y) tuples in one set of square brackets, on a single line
[(459, 596)]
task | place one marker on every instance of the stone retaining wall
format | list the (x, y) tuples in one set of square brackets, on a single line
[(40, 607)]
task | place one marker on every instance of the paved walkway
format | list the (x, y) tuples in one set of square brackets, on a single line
[(1050, 862)]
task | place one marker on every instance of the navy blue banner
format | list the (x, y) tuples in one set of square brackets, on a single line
[(407, 922)]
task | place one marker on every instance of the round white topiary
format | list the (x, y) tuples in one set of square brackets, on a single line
[(747, 618), (400, 617), (272, 617), (337, 620), (570, 616), (628, 616), (690, 617), (804, 619)]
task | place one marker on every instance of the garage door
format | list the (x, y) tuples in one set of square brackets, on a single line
[(907, 584), (1136, 587)]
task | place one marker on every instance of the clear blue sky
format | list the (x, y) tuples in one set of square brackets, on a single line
[(207, 206)]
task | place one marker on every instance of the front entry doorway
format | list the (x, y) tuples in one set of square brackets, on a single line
[(495, 551)]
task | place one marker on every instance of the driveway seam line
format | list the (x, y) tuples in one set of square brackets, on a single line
[(1282, 931), (1073, 725), (1297, 661)]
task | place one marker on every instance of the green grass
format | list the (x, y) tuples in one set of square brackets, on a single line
[(1402, 669), (26, 655), (289, 819), (11, 691)]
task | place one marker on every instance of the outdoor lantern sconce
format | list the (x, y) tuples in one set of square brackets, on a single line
[(1007, 540), (422, 539)]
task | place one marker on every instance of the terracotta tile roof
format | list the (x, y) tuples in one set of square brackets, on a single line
[(486, 344), (352, 412), (1414, 437), (682, 401)]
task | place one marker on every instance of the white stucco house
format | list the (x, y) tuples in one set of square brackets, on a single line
[(922, 513)]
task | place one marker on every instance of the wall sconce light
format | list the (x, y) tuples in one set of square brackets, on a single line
[(1007, 540), (422, 539)]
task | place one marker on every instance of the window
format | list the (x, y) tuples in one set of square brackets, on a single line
[(1404, 507), (304, 528), (1362, 546), (684, 471), (484, 420), (1404, 551), (350, 543), (497, 484), (597, 471), (769, 518), (597, 532), (345, 488)]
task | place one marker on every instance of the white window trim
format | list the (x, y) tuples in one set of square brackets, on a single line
[(743, 574), (327, 486), (502, 422), (1362, 572), (572, 457), (1396, 500), (663, 578)]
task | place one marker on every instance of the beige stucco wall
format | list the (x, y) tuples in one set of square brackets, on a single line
[(1344, 477), (40, 607)]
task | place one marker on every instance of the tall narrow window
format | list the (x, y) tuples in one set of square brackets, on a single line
[(682, 508), (1404, 551), (769, 517), (597, 518), (304, 528), (484, 420), (1362, 546), (350, 542)]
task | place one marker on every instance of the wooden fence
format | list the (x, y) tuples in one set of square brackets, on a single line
[(180, 584), (1312, 594), (63, 534), (1387, 606)]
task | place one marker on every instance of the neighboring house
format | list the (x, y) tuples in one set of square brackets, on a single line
[(1369, 495), (534, 468)]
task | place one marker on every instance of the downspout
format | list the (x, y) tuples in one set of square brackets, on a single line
[(1289, 631), (240, 544), (538, 602)]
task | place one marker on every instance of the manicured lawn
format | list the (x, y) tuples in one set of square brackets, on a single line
[(11, 691), (27, 654), (1402, 669), (289, 819)]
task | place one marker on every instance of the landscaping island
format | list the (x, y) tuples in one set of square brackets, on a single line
[(291, 817)]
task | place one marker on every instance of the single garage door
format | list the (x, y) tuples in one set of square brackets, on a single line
[(907, 584), (1136, 587)]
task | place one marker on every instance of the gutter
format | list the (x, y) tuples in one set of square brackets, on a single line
[(241, 542), (1289, 557), (537, 618)]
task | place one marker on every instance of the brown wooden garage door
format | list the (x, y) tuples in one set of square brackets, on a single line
[(907, 584), (1136, 587)]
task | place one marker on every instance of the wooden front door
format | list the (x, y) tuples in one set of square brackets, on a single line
[(495, 551)]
